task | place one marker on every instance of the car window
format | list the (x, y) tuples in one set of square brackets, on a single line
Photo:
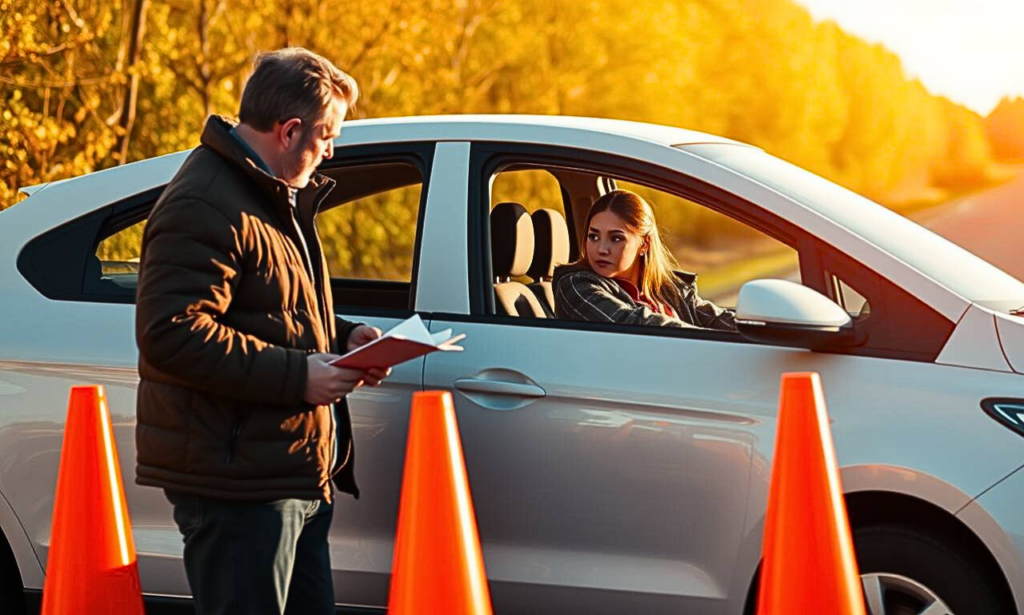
[(851, 300), (118, 256), (723, 252), (368, 223), (373, 236), (532, 188), (934, 256), (368, 226)]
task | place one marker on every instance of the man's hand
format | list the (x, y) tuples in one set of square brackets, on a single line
[(326, 384), (362, 335)]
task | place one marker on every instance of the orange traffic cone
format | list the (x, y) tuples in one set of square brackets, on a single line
[(437, 565), (809, 565), (91, 567)]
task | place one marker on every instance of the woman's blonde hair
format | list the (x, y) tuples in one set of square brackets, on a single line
[(657, 267)]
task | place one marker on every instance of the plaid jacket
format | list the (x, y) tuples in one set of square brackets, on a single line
[(581, 294)]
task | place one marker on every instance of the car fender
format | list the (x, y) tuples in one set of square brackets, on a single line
[(30, 567), (882, 479)]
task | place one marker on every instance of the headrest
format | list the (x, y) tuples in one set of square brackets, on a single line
[(551, 236), (511, 240)]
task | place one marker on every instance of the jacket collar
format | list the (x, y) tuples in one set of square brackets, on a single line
[(217, 136)]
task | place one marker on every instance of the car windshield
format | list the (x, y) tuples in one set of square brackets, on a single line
[(935, 256)]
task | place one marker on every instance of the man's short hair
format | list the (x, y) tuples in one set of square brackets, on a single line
[(293, 82)]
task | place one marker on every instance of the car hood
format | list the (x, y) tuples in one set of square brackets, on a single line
[(1011, 338)]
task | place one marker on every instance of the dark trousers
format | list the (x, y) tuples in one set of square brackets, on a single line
[(256, 558)]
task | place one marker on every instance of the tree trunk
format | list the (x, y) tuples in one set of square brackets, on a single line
[(127, 119)]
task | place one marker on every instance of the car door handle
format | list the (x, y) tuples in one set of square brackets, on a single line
[(499, 387)]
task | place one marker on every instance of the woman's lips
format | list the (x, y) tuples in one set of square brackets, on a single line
[(601, 263)]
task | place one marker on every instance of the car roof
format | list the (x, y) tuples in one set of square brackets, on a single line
[(511, 127), (496, 127)]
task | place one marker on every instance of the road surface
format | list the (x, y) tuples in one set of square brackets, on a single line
[(989, 224)]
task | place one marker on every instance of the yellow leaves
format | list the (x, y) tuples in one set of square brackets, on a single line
[(758, 70)]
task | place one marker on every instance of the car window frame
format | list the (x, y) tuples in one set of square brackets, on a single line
[(44, 260), (487, 158), (816, 259), (416, 153)]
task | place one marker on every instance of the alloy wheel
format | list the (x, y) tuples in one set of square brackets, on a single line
[(892, 594)]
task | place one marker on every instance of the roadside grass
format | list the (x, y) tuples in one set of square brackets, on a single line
[(726, 280)]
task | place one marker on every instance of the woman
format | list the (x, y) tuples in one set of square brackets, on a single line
[(628, 276)]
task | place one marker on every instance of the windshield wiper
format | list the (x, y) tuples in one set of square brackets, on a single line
[(1017, 312)]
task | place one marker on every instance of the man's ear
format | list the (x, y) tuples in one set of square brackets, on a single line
[(289, 132)]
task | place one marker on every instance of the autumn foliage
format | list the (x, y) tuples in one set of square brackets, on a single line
[(1005, 128), (88, 84)]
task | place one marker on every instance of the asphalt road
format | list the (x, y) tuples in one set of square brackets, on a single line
[(989, 224)]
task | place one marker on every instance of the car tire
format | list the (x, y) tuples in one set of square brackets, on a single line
[(12, 594), (897, 553)]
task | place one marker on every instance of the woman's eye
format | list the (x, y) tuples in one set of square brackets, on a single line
[(592, 237)]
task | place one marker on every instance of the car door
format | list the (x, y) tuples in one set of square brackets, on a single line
[(624, 469), (610, 467), (369, 232)]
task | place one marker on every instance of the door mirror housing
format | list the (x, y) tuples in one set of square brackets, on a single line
[(783, 313)]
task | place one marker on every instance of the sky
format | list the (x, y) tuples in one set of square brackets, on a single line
[(970, 51)]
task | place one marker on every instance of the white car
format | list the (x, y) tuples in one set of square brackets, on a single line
[(614, 469)]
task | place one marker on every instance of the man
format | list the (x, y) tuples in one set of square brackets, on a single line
[(235, 325)]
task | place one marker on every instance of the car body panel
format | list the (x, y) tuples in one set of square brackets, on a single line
[(444, 253), (598, 438), (518, 128), (996, 519), (1011, 339), (11, 529), (975, 343)]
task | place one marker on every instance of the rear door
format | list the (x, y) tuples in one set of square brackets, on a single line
[(77, 311), (370, 237)]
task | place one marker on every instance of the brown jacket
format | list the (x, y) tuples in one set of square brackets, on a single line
[(226, 316)]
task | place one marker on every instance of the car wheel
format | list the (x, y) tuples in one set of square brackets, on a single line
[(905, 571), (12, 597)]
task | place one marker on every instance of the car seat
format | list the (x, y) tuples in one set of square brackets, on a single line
[(551, 239), (511, 254)]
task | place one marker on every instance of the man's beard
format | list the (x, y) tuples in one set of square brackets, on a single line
[(293, 167)]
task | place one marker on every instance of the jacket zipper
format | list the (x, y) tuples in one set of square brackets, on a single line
[(233, 441)]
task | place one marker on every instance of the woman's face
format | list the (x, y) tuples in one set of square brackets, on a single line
[(612, 248)]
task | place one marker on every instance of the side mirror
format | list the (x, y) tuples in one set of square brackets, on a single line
[(784, 313)]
